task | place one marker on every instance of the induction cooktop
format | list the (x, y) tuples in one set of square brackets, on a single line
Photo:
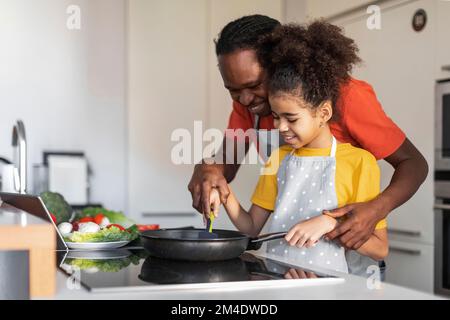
[(122, 270)]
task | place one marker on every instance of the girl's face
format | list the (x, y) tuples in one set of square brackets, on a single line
[(299, 125)]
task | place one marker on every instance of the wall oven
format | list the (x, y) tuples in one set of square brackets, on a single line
[(442, 247), (442, 125), (442, 189)]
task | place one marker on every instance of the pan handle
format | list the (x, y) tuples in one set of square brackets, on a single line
[(256, 243)]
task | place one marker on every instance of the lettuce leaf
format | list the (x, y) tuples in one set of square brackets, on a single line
[(106, 235), (113, 216)]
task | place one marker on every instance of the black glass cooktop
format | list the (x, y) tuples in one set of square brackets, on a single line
[(128, 270)]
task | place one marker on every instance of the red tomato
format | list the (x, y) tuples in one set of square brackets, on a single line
[(86, 219), (98, 218), (53, 217), (145, 227), (115, 225)]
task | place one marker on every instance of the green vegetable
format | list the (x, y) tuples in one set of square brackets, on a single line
[(57, 205), (106, 235), (113, 216)]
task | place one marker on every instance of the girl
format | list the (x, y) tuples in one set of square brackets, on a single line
[(313, 173)]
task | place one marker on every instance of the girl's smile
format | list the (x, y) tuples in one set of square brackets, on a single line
[(290, 138)]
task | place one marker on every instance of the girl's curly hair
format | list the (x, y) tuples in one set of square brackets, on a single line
[(310, 61)]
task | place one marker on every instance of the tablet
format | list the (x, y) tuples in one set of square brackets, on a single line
[(34, 206)]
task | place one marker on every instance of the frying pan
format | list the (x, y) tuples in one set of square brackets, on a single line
[(188, 245)]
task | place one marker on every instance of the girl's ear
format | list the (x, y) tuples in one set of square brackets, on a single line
[(325, 111)]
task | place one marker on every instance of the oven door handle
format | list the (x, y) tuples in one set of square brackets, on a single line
[(401, 232), (439, 206), (412, 252)]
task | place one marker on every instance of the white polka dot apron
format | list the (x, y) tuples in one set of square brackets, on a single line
[(306, 187)]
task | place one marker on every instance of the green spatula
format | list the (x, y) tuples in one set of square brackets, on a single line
[(208, 234)]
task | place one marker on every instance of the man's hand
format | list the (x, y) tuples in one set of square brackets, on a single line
[(355, 230), (204, 179)]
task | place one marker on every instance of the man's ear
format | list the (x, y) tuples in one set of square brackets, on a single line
[(326, 111)]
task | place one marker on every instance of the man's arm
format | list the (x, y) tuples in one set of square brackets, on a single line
[(411, 170)]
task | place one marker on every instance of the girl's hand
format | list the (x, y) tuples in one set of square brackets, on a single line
[(307, 233), (299, 274), (214, 202)]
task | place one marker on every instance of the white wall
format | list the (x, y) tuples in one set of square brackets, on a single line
[(67, 86)]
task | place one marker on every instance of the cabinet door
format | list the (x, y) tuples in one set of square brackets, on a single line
[(398, 63), (173, 81), (443, 36), (410, 265), (167, 54), (327, 8)]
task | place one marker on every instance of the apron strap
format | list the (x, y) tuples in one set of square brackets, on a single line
[(333, 148), (256, 125)]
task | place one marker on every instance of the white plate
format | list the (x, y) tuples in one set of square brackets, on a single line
[(98, 254), (96, 245)]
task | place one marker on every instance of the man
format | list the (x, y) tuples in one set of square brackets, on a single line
[(362, 123)]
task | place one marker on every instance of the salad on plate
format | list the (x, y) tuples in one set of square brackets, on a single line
[(99, 225), (93, 227)]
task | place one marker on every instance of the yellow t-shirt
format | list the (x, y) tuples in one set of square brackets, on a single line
[(357, 176)]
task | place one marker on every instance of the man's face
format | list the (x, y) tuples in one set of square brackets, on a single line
[(245, 79)]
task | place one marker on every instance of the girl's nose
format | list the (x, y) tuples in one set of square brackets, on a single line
[(282, 126)]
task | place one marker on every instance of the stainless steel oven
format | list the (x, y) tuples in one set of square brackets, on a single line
[(442, 247), (442, 189), (442, 126)]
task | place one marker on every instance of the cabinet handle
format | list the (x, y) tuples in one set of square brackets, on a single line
[(438, 206), (401, 232), (446, 68), (412, 252)]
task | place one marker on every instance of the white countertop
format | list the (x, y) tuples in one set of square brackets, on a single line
[(353, 287)]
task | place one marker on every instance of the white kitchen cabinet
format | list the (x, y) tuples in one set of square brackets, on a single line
[(167, 81), (327, 8), (301, 10), (442, 41), (173, 80), (410, 264), (398, 63)]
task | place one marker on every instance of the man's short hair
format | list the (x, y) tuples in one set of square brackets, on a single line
[(244, 33)]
